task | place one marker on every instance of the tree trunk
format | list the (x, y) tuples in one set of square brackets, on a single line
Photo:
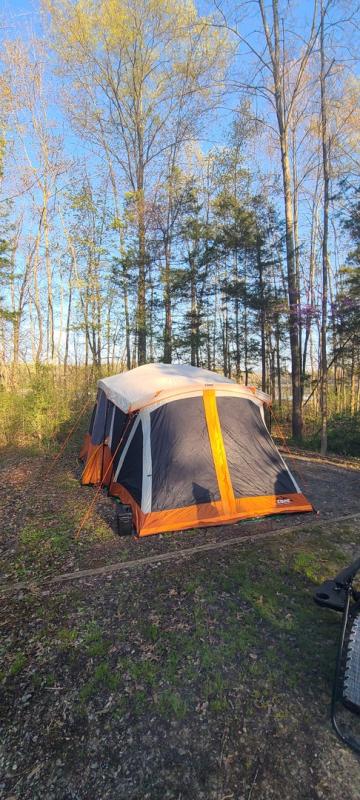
[(127, 319), (37, 299), (297, 421), (311, 291), (292, 288), (237, 321), (297, 257), (245, 317), (278, 366), (193, 316), (167, 306), (262, 314), (50, 348), (325, 256), (68, 318)]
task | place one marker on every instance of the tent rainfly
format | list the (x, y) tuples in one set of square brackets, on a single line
[(186, 448)]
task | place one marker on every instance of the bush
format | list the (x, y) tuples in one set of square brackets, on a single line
[(343, 435), (41, 402)]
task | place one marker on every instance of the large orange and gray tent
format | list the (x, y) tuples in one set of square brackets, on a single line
[(186, 447)]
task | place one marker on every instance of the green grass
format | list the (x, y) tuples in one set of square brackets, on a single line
[(170, 703), (307, 564), (215, 687), (150, 631), (42, 541), (67, 637), (94, 643), (102, 677), (17, 665), (142, 671)]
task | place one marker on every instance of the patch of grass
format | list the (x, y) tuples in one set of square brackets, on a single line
[(142, 671), (191, 586), (218, 705), (20, 569), (171, 666), (215, 693), (140, 702), (307, 564), (103, 677), (172, 703), (120, 708), (67, 637), (17, 665), (50, 679), (239, 636), (69, 481), (182, 643), (99, 531), (207, 656), (38, 679), (31, 537), (95, 644), (151, 632), (43, 542), (60, 541)]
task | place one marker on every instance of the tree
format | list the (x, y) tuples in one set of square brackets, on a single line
[(88, 241), (173, 200), (325, 235), (272, 65), (43, 164), (143, 70), (348, 299)]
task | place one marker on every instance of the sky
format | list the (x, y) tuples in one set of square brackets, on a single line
[(21, 17)]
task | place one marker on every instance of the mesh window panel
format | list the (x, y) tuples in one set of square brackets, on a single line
[(120, 422), (183, 472), (254, 463), (93, 414), (108, 414), (98, 431), (130, 475)]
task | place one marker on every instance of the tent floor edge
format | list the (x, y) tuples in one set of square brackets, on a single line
[(146, 531), (209, 515)]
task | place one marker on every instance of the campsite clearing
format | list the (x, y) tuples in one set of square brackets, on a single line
[(167, 681)]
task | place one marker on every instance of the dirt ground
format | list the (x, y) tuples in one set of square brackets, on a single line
[(206, 677)]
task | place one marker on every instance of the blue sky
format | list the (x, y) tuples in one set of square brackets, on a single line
[(21, 18)]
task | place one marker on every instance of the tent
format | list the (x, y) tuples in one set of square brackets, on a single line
[(185, 448)]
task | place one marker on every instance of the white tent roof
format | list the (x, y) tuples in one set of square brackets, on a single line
[(142, 386)]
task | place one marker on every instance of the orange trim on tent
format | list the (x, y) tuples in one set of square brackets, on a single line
[(218, 451), (209, 514), (272, 504), (85, 447), (97, 465)]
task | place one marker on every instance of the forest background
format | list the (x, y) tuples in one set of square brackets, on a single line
[(179, 181)]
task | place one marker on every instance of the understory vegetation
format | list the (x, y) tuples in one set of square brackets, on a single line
[(40, 405)]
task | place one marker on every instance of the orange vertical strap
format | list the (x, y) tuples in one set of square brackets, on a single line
[(218, 451)]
